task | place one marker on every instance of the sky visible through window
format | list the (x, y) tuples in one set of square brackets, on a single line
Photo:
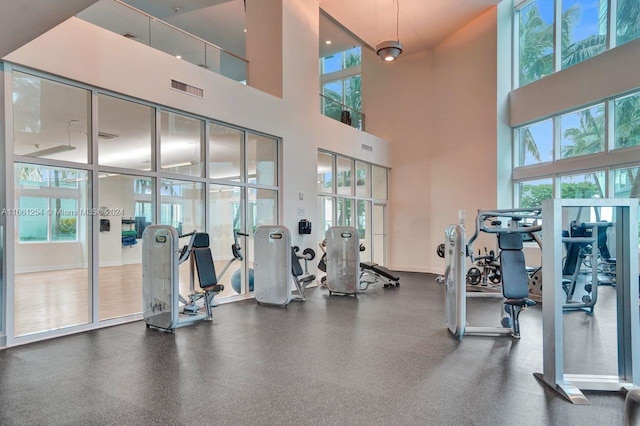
[(589, 16), (589, 23)]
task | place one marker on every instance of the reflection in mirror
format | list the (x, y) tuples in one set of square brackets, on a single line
[(262, 160), (225, 152), (589, 292), (180, 144), (124, 133), (50, 119)]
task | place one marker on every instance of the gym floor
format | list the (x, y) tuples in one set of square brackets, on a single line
[(383, 358)]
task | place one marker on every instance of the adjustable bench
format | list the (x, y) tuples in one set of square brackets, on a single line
[(380, 273)]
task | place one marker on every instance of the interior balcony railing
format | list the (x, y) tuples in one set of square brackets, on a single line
[(134, 24), (341, 112)]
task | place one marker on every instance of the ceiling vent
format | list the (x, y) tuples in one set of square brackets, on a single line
[(367, 147), (187, 88)]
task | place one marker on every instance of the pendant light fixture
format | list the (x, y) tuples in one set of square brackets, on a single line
[(389, 50)]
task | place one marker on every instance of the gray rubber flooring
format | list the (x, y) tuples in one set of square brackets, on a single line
[(383, 358)]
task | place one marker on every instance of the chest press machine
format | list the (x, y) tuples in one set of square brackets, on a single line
[(161, 259), (515, 283)]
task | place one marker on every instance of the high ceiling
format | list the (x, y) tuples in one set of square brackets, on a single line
[(422, 24)]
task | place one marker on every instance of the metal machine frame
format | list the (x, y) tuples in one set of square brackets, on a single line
[(456, 249), (160, 279), (343, 260), (272, 266), (553, 297)]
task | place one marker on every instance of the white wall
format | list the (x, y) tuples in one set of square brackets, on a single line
[(438, 109), (107, 60)]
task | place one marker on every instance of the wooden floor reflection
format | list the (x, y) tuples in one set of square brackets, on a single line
[(52, 300)]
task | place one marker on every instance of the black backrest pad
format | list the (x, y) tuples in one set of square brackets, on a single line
[(205, 267), (515, 284), (296, 269), (602, 241), (201, 239), (510, 241)]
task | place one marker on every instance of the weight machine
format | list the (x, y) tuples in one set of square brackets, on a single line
[(514, 294), (160, 279)]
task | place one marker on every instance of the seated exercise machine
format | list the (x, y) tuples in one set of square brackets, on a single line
[(160, 280), (301, 278), (514, 294), (192, 301), (370, 272), (275, 261)]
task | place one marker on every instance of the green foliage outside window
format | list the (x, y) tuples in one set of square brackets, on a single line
[(531, 196), (536, 44), (581, 190)]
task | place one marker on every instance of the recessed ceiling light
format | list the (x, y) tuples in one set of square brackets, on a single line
[(245, 30), (178, 56), (328, 42)]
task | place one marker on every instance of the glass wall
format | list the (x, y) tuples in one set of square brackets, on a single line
[(225, 152), (225, 217), (262, 160), (141, 177), (358, 202), (125, 133), (127, 205), (52, 247), (180, 144), (50, 119)]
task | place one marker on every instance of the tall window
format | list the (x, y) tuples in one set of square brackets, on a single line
[(584, 30), (535, 143), (628, 21), (582, 26), (584, 166), (357, 199), (535, 44), (582, 132), (340, 84)]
